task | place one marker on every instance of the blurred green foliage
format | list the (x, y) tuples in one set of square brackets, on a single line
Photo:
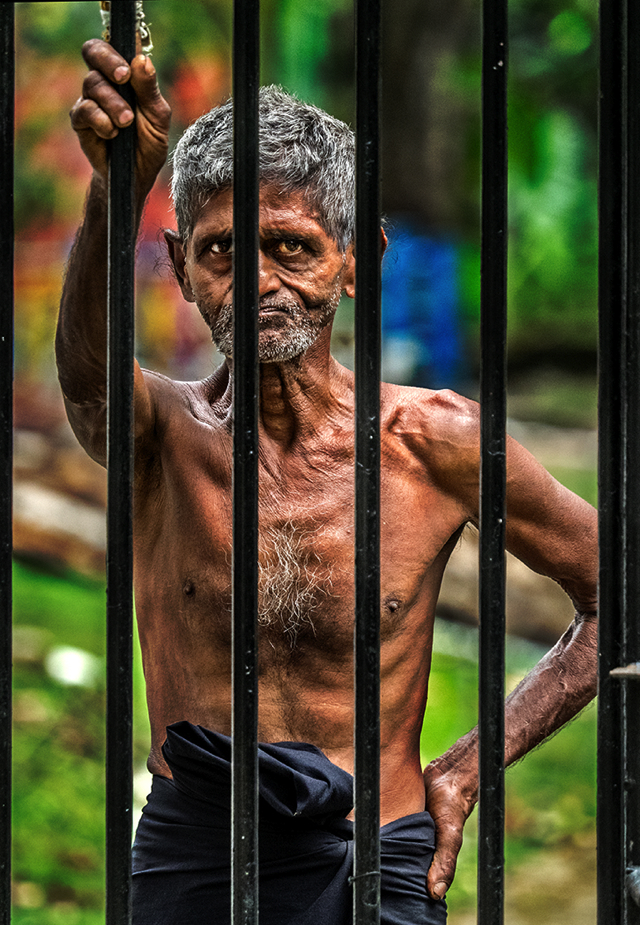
[(552, 180), (59, 749), (552, 287)]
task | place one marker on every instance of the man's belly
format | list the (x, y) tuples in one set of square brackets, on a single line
[(329, 727)]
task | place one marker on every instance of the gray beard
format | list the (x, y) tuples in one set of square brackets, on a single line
[(280, 339)]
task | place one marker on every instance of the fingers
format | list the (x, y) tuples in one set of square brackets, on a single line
[(450, 805), (145, 83), (443, 866), (107, 67), (102, 57), (153, 107), (108, 71), (100, 108)]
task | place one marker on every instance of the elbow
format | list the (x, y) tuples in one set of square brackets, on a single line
[(88, 421)]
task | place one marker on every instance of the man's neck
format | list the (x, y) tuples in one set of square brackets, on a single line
[(296, 396)]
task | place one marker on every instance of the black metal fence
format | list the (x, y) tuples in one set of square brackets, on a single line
[(619, 487), (618, 755)]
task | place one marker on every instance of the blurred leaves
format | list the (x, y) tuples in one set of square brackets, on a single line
[(59, 748)]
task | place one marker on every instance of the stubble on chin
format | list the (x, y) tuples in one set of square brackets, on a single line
[(279, 340)]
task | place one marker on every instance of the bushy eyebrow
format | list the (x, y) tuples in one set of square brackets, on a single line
[(202, 241)]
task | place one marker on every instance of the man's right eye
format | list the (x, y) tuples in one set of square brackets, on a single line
[(222, 247)]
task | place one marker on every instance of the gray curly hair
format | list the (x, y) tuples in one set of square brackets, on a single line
[(301, 148)]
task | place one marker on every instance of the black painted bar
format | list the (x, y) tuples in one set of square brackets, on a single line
[(367, 474), (7, 74), (492, 480), (631, 685), (246, 71), (613, 274), (120, 475)]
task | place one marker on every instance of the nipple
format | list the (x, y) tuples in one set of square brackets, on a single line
[(189, 588)]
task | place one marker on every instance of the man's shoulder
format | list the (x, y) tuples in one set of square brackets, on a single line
[(173, 396), (441, 432), (430, 416)]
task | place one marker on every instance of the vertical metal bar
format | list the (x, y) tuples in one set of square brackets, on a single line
[(246, 70), (631, 688), (367, 473), (7, 75), (120, 474), (613, 273), (492, 480)]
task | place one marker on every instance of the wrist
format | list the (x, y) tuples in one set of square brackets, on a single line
[(98, 200), (99, 188), (457, 769)]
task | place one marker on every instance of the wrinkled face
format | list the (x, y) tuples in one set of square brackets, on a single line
[(301, 273)]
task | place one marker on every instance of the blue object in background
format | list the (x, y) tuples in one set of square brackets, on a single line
[(422, 343)]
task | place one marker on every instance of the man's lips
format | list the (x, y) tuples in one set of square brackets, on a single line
[(275, 309)]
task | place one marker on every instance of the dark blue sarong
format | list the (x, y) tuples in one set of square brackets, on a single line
[(181, 868)]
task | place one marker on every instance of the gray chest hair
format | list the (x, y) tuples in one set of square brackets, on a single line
[(293, 581)]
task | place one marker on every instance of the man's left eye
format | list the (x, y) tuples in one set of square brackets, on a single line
[(289, 248), (222, 248)]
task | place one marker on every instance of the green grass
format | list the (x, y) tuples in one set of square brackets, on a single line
[(59, 752), (73, 609), (58, 857)]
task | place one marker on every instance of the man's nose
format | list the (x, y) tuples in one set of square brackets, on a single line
[(268, 279)]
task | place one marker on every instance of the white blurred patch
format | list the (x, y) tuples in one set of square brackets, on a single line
[(50, 510), (73, 666)]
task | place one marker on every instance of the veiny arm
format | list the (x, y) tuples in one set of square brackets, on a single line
[(555, 533), (81, 338)]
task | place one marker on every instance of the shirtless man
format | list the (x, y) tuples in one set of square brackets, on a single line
[(430, 454)]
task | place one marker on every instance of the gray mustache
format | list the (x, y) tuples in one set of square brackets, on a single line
[(289, 307), (279, 306)]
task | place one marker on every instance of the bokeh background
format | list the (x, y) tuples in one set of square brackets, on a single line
[(431, 174)]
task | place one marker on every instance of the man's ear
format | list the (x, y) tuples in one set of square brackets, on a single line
[(349, 272), (177, 256), (350, 265)]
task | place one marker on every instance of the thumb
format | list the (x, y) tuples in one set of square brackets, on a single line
[(145, 84), (443, 866)]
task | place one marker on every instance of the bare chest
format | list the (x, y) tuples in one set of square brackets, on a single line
[(305, 553)]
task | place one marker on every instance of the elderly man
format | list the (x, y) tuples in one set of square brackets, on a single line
[(430, 454)]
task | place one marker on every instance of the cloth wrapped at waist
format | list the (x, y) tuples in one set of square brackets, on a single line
[(181, 855)]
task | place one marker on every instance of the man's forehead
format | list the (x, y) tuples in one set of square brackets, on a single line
[(272, 197), (277, 208)]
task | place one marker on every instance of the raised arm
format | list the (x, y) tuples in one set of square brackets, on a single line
[(555, 533), (81, 335)]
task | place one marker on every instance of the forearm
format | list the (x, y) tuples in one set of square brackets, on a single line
[(557, 689), (97, 117), (81, 336), (560, 685)]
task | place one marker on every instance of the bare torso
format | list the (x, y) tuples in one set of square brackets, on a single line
[(430, 461), (183, 580)]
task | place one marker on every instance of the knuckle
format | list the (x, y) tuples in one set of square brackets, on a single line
[(74, 109), (164, 110), (93, 52), (91, 82), (78, 114), (89, 45)]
